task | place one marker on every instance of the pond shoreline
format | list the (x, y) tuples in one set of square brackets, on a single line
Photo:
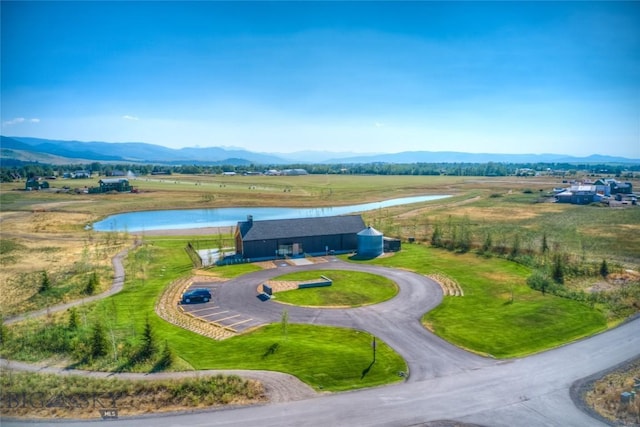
[(196, 231)]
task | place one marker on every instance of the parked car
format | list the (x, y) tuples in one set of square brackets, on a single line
[(196, 295)]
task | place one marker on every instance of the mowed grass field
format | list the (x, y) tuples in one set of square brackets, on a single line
[(349, 289), (499, 315)]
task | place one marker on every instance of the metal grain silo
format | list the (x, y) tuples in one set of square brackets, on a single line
[(370, 243)]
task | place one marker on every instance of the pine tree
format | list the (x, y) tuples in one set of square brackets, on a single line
[(167, 358), (436, 236), (99, 342), (545, 245), (515, 249), (604, 268), (45, 283), (557, 270), (92, 284), (148, 342), (74, 322)]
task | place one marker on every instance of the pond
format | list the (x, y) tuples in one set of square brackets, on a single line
[(224, 217)]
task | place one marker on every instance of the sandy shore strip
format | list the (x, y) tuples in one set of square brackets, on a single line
[(202, 231)]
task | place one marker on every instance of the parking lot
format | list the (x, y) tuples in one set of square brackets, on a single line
[(211, 312)]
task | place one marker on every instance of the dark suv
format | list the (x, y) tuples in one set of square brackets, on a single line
[(196, 295)]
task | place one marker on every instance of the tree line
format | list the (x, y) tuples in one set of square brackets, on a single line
[(9, 173)]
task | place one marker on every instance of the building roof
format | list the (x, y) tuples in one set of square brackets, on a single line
[(369, 231), (298, 227), (583, 188), (113, 180)]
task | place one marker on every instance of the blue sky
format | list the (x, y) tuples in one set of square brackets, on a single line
[(503, 77)]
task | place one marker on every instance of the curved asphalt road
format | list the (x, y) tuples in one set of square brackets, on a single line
[(444, 383)]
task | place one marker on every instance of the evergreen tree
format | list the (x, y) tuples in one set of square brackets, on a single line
[(98, 346), (45, 283), (436, 236), (167, 358), (74, 322), (487, 244), (557, 270), (604, 268), (92, 284), (148, 342), (545, 244), (515, 248)]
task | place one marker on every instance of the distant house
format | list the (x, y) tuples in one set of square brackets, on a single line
[(114, 184), (621, 187), (36, 184), (603, 186), (295, 172), (271, 239), (579, 195), (81, 174)]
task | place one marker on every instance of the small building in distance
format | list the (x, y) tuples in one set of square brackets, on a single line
[(121, 185), (579, 195), (618, 187), (36, 183), (81, 174)]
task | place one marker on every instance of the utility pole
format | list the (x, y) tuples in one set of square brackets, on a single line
[(373, 345)]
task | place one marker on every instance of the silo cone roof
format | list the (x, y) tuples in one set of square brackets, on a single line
[(369, 231)]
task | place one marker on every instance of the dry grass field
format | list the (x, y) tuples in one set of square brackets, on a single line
[(604, 396)]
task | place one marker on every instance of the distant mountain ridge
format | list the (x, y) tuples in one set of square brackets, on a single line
[(61, 151)]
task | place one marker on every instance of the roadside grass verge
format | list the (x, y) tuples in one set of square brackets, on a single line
[(499, 314), (349, 289), (37, 395)]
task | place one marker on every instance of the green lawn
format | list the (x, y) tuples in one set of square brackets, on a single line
[(486, 320), (349, 289), (326, 358)]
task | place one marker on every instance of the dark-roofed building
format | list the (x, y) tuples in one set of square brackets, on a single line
[(114, 184), (621, 187), (296, 237)]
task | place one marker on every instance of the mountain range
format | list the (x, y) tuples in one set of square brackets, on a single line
[(26, 149)]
